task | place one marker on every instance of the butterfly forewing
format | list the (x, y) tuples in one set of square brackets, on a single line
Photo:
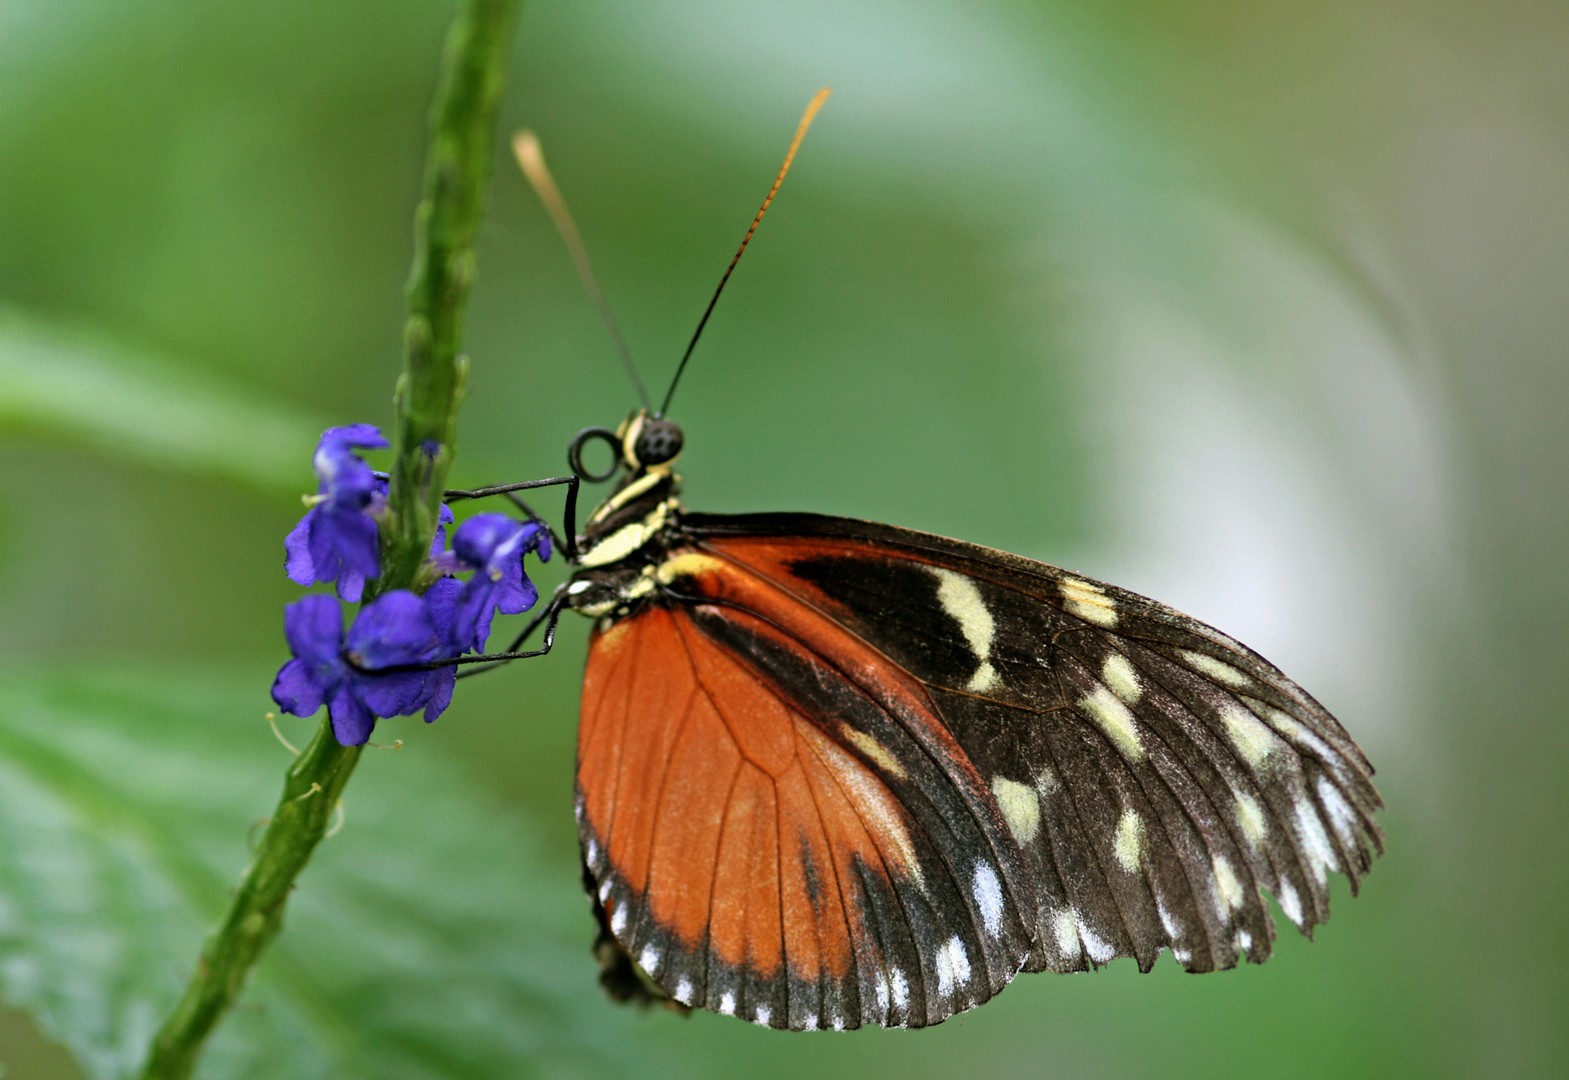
[(834, 773)]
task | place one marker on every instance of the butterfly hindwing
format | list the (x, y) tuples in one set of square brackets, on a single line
[(837, 773)]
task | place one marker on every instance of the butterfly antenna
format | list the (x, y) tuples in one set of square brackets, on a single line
[(795, 144), (531, 159)]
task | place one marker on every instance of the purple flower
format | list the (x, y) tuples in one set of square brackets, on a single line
[(392, 630), (493, 546), (337, 540)]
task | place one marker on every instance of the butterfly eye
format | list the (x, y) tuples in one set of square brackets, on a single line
[(658, 441)]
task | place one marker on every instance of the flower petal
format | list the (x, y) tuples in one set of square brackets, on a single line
[(354, 539), (296, 689), (313, 627), (393, 629), (352, 722), (297, 561), (438, 691), (362, 436), (395, 694)]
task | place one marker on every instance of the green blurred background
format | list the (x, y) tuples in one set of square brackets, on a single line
[(1256, 308)]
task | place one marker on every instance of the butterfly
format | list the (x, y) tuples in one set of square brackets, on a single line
[(833, 773)]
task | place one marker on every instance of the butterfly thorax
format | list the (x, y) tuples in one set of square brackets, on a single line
[(624, 542)]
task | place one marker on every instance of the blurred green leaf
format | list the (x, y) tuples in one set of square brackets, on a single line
[(425, 940), (129, 404)]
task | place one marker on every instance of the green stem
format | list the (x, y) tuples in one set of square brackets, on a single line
[(462, 146)]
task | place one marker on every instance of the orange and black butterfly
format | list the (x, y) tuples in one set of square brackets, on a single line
[(832, 773)]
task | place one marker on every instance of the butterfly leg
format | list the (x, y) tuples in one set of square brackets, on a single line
[(547, 618), (567, 543)]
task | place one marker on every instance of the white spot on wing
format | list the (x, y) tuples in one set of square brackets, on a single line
[(1290, 902), (809, 1022), (1321, 856), (1088, 601), (1227, 886), (1099, 949), (1254, 742), (1341, 817), (882, 994), (900, 987), (1021, 809), (1065, 928), (604, 889), (1218, 670), (649, 959), (1255, 826), (618, 921), (961, 599), (1168, 921), (591, 853), (953, 966), (1129, 844), (727, 1003), (683, 991), (837, 1023), (1120, 676), (762, 1015), (1107, 710), (988, 897)]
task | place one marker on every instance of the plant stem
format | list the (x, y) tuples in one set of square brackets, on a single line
[(462, 146)]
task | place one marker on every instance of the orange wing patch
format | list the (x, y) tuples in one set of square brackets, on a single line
[(748, 848)]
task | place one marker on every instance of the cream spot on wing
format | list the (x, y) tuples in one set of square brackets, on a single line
[(1129, 844), (1115, 720), (727, 1003), (1021, 809), (962, 600), (987, 891), (1088, 601), (953, 966), (1341, 817), (900, 987), (762, 1015), (683, 991), (686, 564), (1289, 727), (1321, 855), (1290, 902), (1254, 742), (1227, 885), (1218, 670), (1099, 949), (1065, 928), (875, 751), (1118, 673), (618, 921), (648, 960), (984, 680), (1255, 826)]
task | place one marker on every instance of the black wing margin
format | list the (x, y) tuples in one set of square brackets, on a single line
[(1159, 776)]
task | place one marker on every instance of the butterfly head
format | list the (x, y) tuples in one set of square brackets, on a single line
[(648, 442)]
